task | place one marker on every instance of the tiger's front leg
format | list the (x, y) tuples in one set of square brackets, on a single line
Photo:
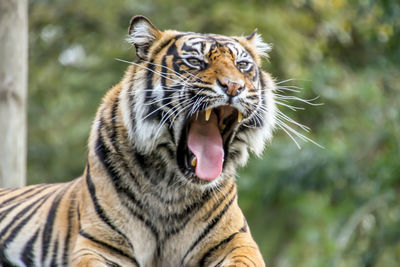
[(91, 251), (241, 251), (88, 256), (88, 261)]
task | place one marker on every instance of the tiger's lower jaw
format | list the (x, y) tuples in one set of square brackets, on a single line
[(204, 143)]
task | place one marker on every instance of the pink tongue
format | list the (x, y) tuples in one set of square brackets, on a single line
[(205, 142)]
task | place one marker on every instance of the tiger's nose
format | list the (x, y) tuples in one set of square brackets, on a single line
[(231, 88)]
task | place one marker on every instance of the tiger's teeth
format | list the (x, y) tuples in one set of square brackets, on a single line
[(208, 114), (240, 116), (222, 127), (194, 162)]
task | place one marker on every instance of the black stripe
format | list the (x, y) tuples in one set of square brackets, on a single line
[(142, 163), (108, 246), (5, 212), (48, 227), (18, 216), (27, 255), (233, 249), (24, 193), (103, 153), (172, 51), (201, 83), (223, 242), (167, 42), (132, 112), (53, 262), (166, 147), (209, 227), (164, 73), (149, 80), (98, 208), (19, 226), (113, 121), (252, 97), (5, 191), (152, 112), (69, 228), (244, 256), (188, 48), (204, 88), (215, 248), (17, 196), (153, 109), (219, 202)]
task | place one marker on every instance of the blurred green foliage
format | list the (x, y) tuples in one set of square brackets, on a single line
[(337, 206)]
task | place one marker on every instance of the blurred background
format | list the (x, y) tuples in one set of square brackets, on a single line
[(336, 206)]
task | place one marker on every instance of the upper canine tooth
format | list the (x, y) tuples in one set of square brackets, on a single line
[(240, 116), (208, 114), (194, 162)]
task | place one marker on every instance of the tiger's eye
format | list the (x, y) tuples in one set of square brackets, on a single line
[(194, 61), (243, 64)]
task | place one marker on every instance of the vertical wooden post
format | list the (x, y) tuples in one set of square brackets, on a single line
[(13, 91)]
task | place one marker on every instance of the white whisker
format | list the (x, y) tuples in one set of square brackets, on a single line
[(156, 72), (283, 89), (285, 81), (294, 108), (175, 72), (173, 101), (161, 99), (307, 101), (166, 116), (301, 136), (280, 114)]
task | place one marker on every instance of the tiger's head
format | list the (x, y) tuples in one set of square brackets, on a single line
[(201, 100)]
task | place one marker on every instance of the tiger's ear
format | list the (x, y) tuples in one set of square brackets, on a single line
[(142, 34), (256, 40)]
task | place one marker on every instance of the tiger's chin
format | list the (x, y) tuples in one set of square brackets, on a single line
[(203, 149)]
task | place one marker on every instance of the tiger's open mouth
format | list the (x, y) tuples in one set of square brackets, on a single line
[(204, 141)]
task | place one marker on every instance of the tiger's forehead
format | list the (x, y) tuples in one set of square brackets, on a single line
[(203, 44)]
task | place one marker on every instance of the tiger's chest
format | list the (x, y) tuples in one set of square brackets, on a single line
[(166, 232)]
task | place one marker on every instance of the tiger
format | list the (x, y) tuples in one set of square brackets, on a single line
[(159, 186)]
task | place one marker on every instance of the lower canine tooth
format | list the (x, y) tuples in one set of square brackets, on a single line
[(208, 114), (194, 162), (240, 116)]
